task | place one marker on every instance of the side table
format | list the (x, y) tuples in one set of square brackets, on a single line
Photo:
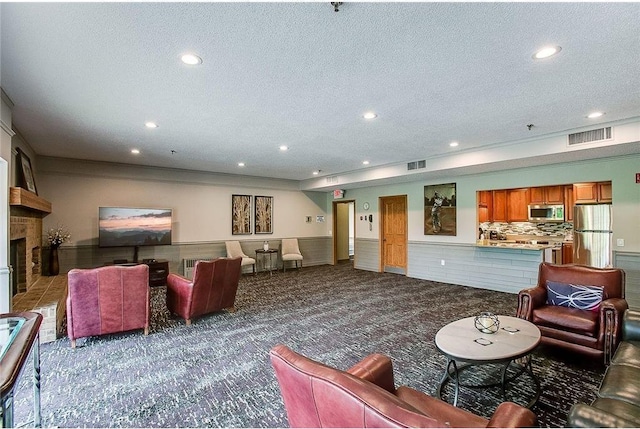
[(19, 339), (263, 257)]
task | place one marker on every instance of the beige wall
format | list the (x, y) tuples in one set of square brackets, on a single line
[(201, 202)]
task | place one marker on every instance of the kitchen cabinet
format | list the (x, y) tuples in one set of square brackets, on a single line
[(517, 205), (567, 253), (568, 203), (591, 193), (605, 193), (485, 206), (547, 195), (499, 205)]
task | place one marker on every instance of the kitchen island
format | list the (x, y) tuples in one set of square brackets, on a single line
[(545, 249)]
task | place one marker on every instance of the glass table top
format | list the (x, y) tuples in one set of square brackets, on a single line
[(9, 328)]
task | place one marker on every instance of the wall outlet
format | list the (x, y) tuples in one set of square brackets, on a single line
[(620, 242), (442, 262)]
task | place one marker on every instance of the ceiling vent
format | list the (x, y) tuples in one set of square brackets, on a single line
[(416, 165), (332, 179), (596, 135)]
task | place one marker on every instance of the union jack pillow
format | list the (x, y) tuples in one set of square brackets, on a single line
[(574, 296)]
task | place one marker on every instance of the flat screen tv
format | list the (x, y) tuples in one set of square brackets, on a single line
[(126, 226)]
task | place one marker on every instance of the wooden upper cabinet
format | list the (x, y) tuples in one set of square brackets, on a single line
[(605, 193), (590, 193), (547, 195), (568, 203), (517, 205), (499, 205), (485, 206)]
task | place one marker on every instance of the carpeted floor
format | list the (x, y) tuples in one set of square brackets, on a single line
[(216, 373)]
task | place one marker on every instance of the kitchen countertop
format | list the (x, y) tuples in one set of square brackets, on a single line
[(512, 244)]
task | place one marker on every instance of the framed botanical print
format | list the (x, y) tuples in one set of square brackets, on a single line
[(440, 209), (241, 214), (25, 172), (263, 217)]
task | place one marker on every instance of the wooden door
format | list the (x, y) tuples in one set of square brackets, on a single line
[(568, 203), (485, 206), (394, 234)]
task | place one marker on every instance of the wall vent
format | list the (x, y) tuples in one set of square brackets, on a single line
[(416, 165), (332, 179), (598, 134), (189, 263)]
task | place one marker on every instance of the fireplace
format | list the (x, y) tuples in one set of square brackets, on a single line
[(25, 251), (18, 261)]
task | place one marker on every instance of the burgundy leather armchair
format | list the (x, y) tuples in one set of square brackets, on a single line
[(316, 395), (213, 288), (107, 300), (592, 333)]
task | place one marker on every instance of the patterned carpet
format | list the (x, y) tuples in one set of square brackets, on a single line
[(216, 373)]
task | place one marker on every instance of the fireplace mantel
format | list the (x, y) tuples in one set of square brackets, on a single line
[(19, 197)]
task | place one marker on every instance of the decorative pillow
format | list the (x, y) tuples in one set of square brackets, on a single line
[(574, 296)]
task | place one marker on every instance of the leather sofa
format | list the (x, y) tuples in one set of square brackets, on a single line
[(592, 333), (107, 300), (618, 399), (213, 288), (316, 395)]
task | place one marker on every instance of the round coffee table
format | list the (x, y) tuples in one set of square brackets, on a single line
[(461, 342)]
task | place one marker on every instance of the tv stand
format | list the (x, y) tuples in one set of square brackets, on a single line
[(158, 269)]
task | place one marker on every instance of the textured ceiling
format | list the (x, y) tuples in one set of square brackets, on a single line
[(85, 77)]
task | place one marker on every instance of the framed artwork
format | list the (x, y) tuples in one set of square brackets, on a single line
[(25, 174), (263, 217), (240, 214), (440, 209)]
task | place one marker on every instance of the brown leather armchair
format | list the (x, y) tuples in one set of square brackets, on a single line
[(213, 288), (107, 300), (316, 395), (593, 333)]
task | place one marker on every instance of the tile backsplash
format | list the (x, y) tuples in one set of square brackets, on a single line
[(544, 229)]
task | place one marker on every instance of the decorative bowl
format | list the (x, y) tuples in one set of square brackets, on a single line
[(487, 323)]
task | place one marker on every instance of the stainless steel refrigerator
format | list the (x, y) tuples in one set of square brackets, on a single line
[(592, 235)]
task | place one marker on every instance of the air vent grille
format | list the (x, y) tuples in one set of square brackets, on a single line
[(590, 136), (332, 179), (414, 165)]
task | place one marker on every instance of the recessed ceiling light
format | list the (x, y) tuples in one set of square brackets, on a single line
[(546, 52), (150, 124), (315, 173), (241, 164), (594, 115), (453, 144), (284, 148), (369, 115), (365, 162), (135, 151), (191, 59)]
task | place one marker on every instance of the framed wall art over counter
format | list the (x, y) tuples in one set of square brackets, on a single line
[(263, 217), (440, 209), (241, 214)]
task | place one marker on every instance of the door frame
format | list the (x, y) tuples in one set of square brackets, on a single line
[(381, 231), (334, 228)]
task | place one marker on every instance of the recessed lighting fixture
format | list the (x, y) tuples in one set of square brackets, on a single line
[(241, 164), (150, 124), (365, 162), (135, 151), (594, 115), (546, 52), (191, 59), (284, 148), (369, 115), (315, 173), (454, 144)]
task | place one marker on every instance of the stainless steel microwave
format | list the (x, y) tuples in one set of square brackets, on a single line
[(546, 213)]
